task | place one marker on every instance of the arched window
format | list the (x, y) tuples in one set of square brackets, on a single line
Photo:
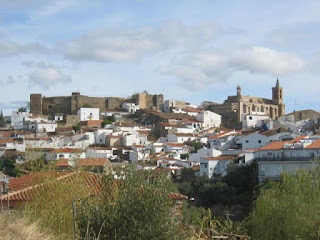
[(244, 108), (253, 108)]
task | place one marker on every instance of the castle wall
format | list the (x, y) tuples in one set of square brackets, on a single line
[(52, 105), (114, 102), (95, 102)]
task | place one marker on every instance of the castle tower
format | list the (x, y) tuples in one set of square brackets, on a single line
[(277, 94), (36, 103), (238, 91)]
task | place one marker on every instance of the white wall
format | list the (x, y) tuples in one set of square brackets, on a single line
[(253, 120), (273, 169), (204, 152), (46, 127), (89, 114), (17, 119), (209, 119)]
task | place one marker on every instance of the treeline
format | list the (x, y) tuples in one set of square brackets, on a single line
[(235, 190)]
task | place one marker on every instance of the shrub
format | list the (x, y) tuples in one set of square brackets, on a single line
[(137, 206), (76, 128), (288, 209), (52, 204)]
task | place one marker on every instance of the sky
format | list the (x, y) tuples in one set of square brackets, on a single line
[(190, 50)]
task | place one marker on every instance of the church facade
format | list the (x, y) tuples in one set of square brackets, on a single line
[(235, 108)]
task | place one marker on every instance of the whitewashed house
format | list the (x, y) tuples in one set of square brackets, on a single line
[(204, 152), (276, 157), (58, 117), (99, 152), (65, 153), (176, 148), (89, 114), (130, 107), (48, 127), (18, 119), (254, 120), (261, 138), (138, 153), (215, 167), (209, 119), (101, 134), (181, 137)]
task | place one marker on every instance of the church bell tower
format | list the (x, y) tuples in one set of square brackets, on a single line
[(277, 94), (277, 98), (238, 91)]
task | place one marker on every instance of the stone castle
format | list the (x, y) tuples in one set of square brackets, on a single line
[(71, 104), (233, 109)]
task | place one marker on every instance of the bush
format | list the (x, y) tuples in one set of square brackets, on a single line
[(135, 207), (288, 209), (76, 128), (52, 204), (105, 122)]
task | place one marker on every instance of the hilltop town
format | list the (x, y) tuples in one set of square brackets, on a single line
[(238, 144), (152, 133)]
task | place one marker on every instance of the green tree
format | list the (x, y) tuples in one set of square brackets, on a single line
[(184, 156), (87, 105), (137, 206), (105, 122), (288, 209), (111, 118), (22, 109), (76, 127), (2, 122)]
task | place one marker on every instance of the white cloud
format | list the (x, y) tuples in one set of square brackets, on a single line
[(133, 44), (51, 9), (198, 69), (11, 48), (48, 76)]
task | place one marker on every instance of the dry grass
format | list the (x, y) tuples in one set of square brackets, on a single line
[(14, 227)]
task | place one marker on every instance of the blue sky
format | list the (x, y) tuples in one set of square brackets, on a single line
[(190, 50)]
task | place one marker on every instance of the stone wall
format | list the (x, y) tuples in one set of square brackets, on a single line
[(51, 105), (72, 119), (114, 102), (36, 104), (71, 104), (95, 102)]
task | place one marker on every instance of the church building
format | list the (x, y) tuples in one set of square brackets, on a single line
[(236, 107)]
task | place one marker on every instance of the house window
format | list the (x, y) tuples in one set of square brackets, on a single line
[(247, 141), (205, 165), (259, 141), (269, 153), (100, 140)]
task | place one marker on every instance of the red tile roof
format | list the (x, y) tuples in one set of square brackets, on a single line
[(173, 144), (280, 145), (92, 182), (314, 145), (220, 135), (32, 179)]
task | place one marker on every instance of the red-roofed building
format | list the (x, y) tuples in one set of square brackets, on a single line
[(277, 157), (92, 164), (67, 153)]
